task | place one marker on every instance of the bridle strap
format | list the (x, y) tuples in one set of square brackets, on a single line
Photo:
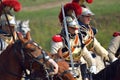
[(20, 63), (23, 58), (43, 56), (65, 72)]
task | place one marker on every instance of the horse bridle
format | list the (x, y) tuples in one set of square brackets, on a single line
[(63, 73), (43, 56)]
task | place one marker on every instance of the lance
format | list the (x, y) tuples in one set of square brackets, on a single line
[(67, 38), (7, 20)]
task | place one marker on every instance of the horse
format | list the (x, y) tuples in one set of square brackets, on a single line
[(24, 55), (63, 70), (111, 72), (22, 26)]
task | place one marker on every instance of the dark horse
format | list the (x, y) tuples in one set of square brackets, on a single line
[(25, 55), (111, 72)]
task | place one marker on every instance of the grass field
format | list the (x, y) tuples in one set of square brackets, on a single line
[(43, 16)]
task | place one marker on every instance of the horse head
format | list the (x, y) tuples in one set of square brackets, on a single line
[(63, 72), (24, 55)]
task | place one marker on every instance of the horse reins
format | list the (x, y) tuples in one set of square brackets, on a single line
[(43, 56)]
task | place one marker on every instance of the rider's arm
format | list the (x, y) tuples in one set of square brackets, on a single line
[(88, 57), (100, 50), (56, 44), (114, 44)]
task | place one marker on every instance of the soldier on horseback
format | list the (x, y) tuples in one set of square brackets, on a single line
[(86, 30), (114, 46), (7, 22), (79, 51)]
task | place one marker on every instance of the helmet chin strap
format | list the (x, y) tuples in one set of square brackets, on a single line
[(72, 36)]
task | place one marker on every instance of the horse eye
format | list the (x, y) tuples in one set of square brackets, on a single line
[(22, 31)]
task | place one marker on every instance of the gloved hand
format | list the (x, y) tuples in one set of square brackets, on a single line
[(93, 69), (105, 57)]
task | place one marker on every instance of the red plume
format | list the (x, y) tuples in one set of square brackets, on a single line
[(11, 3), (89, 1), (70, 6), (77, 9), (67, 7), (77, 1)]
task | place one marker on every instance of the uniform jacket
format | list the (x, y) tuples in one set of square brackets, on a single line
[(77, 50), (114, 46)]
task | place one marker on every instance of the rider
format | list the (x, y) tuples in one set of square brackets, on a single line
[(7, 20), (8, 29), (88, 34), (5, 32), (78, 50), (69, 10), (114, 46)]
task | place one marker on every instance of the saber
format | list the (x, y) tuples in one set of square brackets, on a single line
[(67, 38)]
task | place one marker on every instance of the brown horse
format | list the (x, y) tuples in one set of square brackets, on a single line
[(63, 70), (24, 55)]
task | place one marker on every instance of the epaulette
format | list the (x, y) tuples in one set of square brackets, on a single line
[(115, 34), (57, 38)]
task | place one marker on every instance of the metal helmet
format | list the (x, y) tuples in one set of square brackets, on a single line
[(87, 11), (71, 22)]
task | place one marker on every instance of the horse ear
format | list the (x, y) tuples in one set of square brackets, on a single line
[(27, 21), (60, 53), (28, 36)]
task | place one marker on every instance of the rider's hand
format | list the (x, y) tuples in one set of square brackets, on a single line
[(93, 69)]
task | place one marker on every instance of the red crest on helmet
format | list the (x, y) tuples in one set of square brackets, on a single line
[(11, 3), (70, 6)]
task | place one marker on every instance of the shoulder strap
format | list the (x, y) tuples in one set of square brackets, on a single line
[(80, 37)]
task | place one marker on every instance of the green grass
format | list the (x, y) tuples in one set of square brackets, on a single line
[(44, 23)]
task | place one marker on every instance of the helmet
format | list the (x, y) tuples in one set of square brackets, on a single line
[(12, 4), (11, 19), (71, 22), (86, 11)]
